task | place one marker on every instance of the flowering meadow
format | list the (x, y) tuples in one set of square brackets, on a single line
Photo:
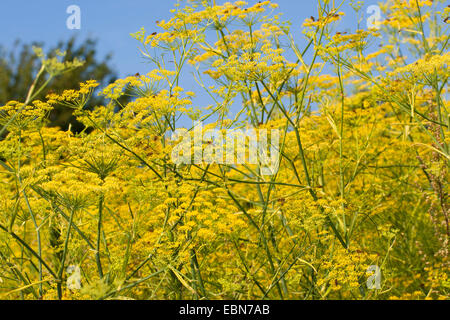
[(356, 208)]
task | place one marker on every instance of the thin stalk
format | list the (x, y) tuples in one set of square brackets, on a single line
[(99, 233), (63, 259)]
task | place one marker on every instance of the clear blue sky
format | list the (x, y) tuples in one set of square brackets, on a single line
[(111, 22)]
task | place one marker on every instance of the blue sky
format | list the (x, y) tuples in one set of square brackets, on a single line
[(111, 22)]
